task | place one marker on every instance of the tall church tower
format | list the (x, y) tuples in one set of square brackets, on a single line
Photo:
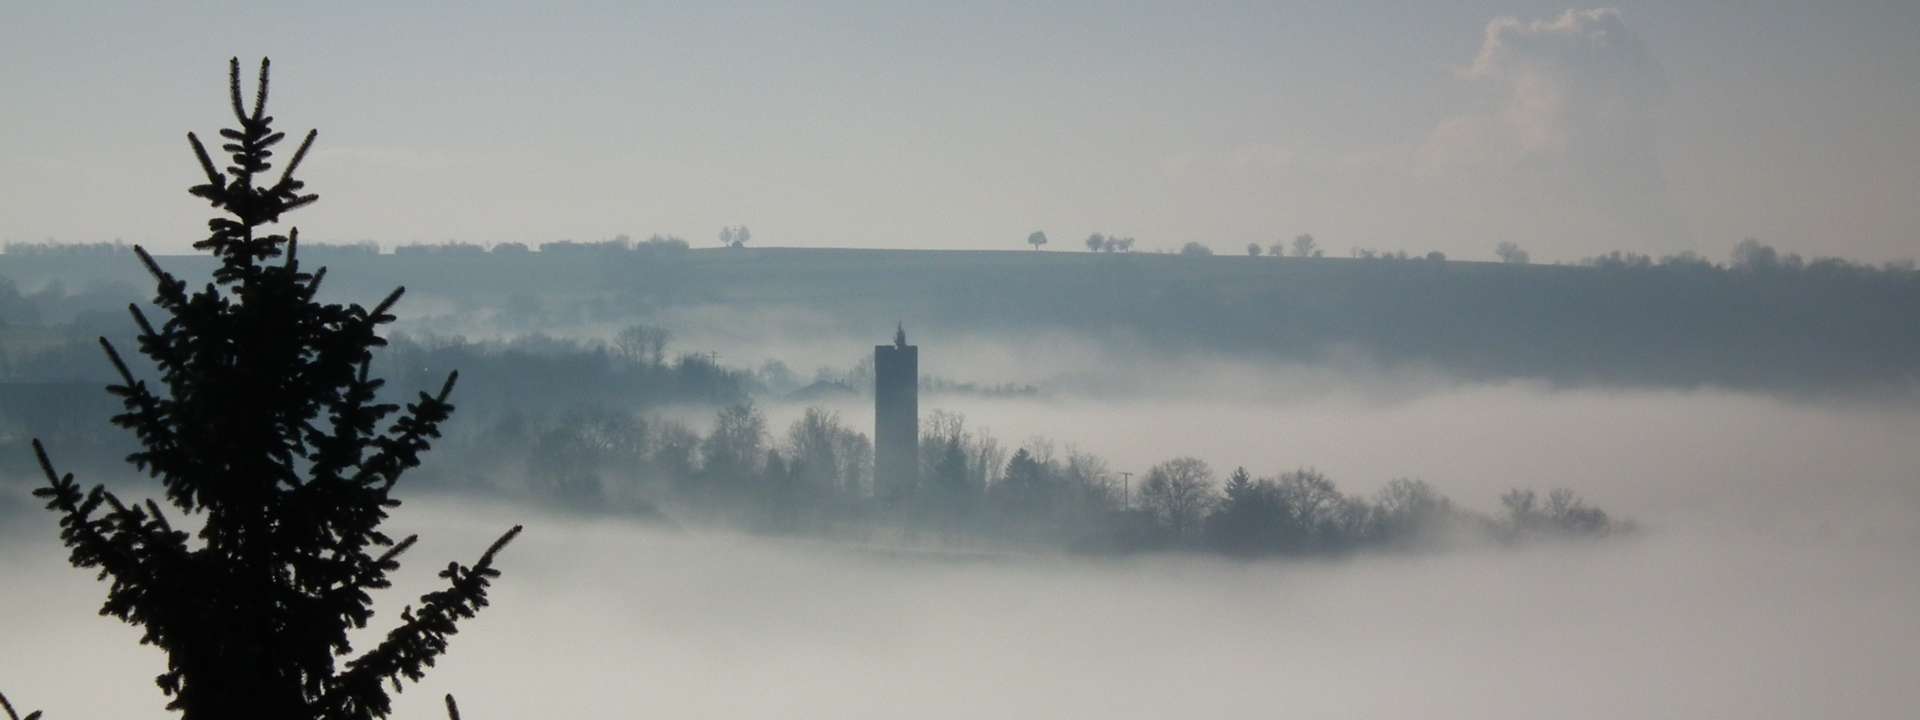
[(896, 417)]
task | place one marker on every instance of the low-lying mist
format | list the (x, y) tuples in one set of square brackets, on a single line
[(1772, 577), (603, 619)]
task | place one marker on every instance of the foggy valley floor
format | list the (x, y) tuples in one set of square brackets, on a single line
[(603, 619), (1773, 577)]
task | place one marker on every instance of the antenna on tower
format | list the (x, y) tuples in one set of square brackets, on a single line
[(900, 335)]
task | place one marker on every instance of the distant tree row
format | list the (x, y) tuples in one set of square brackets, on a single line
[(817, 477), (537, 372), (363, 248), (1511, 254), (1303, 512), (1303, 246), (1372, 254), (618, 243), (1096, 242), (1749, 256), (450, 247), (50, 247), (1109, 243)]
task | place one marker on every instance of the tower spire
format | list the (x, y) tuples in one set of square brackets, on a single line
[(900, 335)]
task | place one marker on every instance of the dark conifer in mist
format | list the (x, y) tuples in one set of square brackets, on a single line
[(267, 430)]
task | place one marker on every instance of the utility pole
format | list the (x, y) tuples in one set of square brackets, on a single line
[(1126, 490)]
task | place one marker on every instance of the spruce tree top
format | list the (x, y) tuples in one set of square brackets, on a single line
[(266, 428)]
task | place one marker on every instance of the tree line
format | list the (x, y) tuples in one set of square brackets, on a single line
[(815, 477)]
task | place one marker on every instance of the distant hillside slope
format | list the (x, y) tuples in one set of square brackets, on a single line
[(1806, 329)]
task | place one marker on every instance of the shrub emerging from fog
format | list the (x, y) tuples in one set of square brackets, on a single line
[(1303, 512), (1564, 514)]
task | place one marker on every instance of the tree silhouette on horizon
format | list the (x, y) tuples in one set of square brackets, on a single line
[(267, 428)]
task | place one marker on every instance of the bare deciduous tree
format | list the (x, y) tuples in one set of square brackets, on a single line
[(1178, 493), (1305, 246)]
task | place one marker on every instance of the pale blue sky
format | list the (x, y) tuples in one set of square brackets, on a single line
[(1417, 126)]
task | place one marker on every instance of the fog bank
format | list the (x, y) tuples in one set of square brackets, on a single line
[(1773, 578), (608, 620)]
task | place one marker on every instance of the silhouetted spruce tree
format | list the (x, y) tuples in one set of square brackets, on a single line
[(266, 427)]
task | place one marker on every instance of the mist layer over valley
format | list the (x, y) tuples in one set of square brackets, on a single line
[(1770, 577)]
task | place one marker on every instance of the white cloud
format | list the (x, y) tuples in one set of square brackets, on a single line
[(1594, 41), (1565, 128), (1555, 148), (1579, 87)]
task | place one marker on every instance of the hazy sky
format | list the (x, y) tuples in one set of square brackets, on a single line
[(1657, 126)]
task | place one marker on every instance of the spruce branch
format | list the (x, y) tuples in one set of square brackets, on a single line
[(216, 183), (233, 88), (152, 343), (140, 319), (172, 291), (119, 365), (286, 181), (159, 517), (379, 314), (35, 715), (260, 96), (313, 285), (421, 639), (108, 543), (148, 415), (399, 450)]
